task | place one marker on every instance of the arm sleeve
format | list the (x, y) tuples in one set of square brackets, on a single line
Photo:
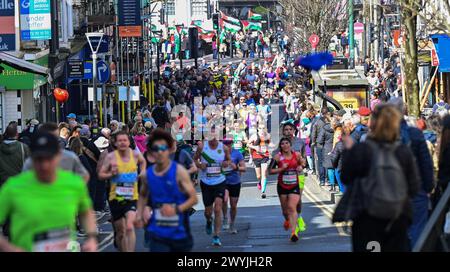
[(409, 165)]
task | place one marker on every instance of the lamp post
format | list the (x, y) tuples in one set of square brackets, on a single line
[(90, 36)]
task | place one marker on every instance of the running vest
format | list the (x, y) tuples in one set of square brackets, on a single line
[(263, 150), (124, 185), (212, 175), (164, 190), (288, 179)]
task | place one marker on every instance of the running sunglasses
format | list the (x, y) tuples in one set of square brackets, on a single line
[(158, 148)]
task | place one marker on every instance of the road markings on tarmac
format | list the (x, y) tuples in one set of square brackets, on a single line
[(326, 210)]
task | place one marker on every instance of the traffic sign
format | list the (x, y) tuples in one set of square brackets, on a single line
[(358, 28), (103, 71), (314, 40)]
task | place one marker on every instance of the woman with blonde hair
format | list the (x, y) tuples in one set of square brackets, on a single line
[(381, 178)]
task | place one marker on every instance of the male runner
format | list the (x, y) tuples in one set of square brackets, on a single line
[(210, 157), (42, 203), (121, 167)]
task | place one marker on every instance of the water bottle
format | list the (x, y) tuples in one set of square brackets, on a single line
[(447, 224)]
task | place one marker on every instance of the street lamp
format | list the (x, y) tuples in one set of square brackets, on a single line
[(180, 55), (90, 36)]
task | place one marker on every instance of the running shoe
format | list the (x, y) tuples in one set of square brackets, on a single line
[(286, 225), (259, 185), (233, 230), (294, 237), (216, 241), (209, 227), (263, 195), (301, 224), (225, 225)]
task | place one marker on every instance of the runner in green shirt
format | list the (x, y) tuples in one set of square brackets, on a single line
[(43, 204)]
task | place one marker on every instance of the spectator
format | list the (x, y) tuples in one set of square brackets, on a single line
[(391, 230)]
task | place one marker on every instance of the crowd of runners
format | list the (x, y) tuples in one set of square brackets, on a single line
[(206, 127)]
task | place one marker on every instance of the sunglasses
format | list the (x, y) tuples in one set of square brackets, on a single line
[(158, 148)]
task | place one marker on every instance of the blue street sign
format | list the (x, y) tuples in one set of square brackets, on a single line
[(103, 71), (104, 46)]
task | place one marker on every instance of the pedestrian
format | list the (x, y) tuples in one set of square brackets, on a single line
[(325, 140), (381, 178), (413, 137), (317, 125), (444, 156), (12, 154)]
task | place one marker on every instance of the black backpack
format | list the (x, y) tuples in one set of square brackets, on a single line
[(385, 189)]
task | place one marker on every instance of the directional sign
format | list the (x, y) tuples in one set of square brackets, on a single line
[(314, 40), (358, 28), (103, 71)]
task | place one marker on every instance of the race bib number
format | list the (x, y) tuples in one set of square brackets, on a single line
[(263, 149), (238, 145), (52, 241), (125, 190), (270, 80), (166, 221), (290, 177), (227, 170), (213, 170)]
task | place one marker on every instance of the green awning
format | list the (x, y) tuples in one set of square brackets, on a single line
[(15, 79)]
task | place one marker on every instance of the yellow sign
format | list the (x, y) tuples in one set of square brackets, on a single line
[(349, 103)]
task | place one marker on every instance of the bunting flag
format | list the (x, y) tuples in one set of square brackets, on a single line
[(254, 16), (251, 25), (230, 19), (231, 27)]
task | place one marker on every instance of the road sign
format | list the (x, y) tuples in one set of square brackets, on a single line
[(75, 69), (358, 28), (103, 71), (104, 46), (314, 40)]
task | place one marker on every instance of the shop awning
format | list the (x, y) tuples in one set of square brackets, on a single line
[(23, 65)]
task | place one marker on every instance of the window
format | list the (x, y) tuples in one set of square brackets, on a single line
[(198, 7), (170, 7)]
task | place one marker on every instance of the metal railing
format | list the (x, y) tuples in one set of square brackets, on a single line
[(433, 237)]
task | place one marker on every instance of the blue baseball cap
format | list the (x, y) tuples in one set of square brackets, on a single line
[(72, 115)]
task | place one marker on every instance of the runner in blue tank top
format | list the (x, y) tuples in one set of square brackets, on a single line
[(171, 195)]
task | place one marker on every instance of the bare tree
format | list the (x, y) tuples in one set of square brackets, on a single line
[(321, 17), (434, 15)]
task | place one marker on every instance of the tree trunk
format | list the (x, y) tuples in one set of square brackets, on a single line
[(411, 82)]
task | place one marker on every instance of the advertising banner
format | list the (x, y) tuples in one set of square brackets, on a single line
[(7, 31), (35, 20)]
